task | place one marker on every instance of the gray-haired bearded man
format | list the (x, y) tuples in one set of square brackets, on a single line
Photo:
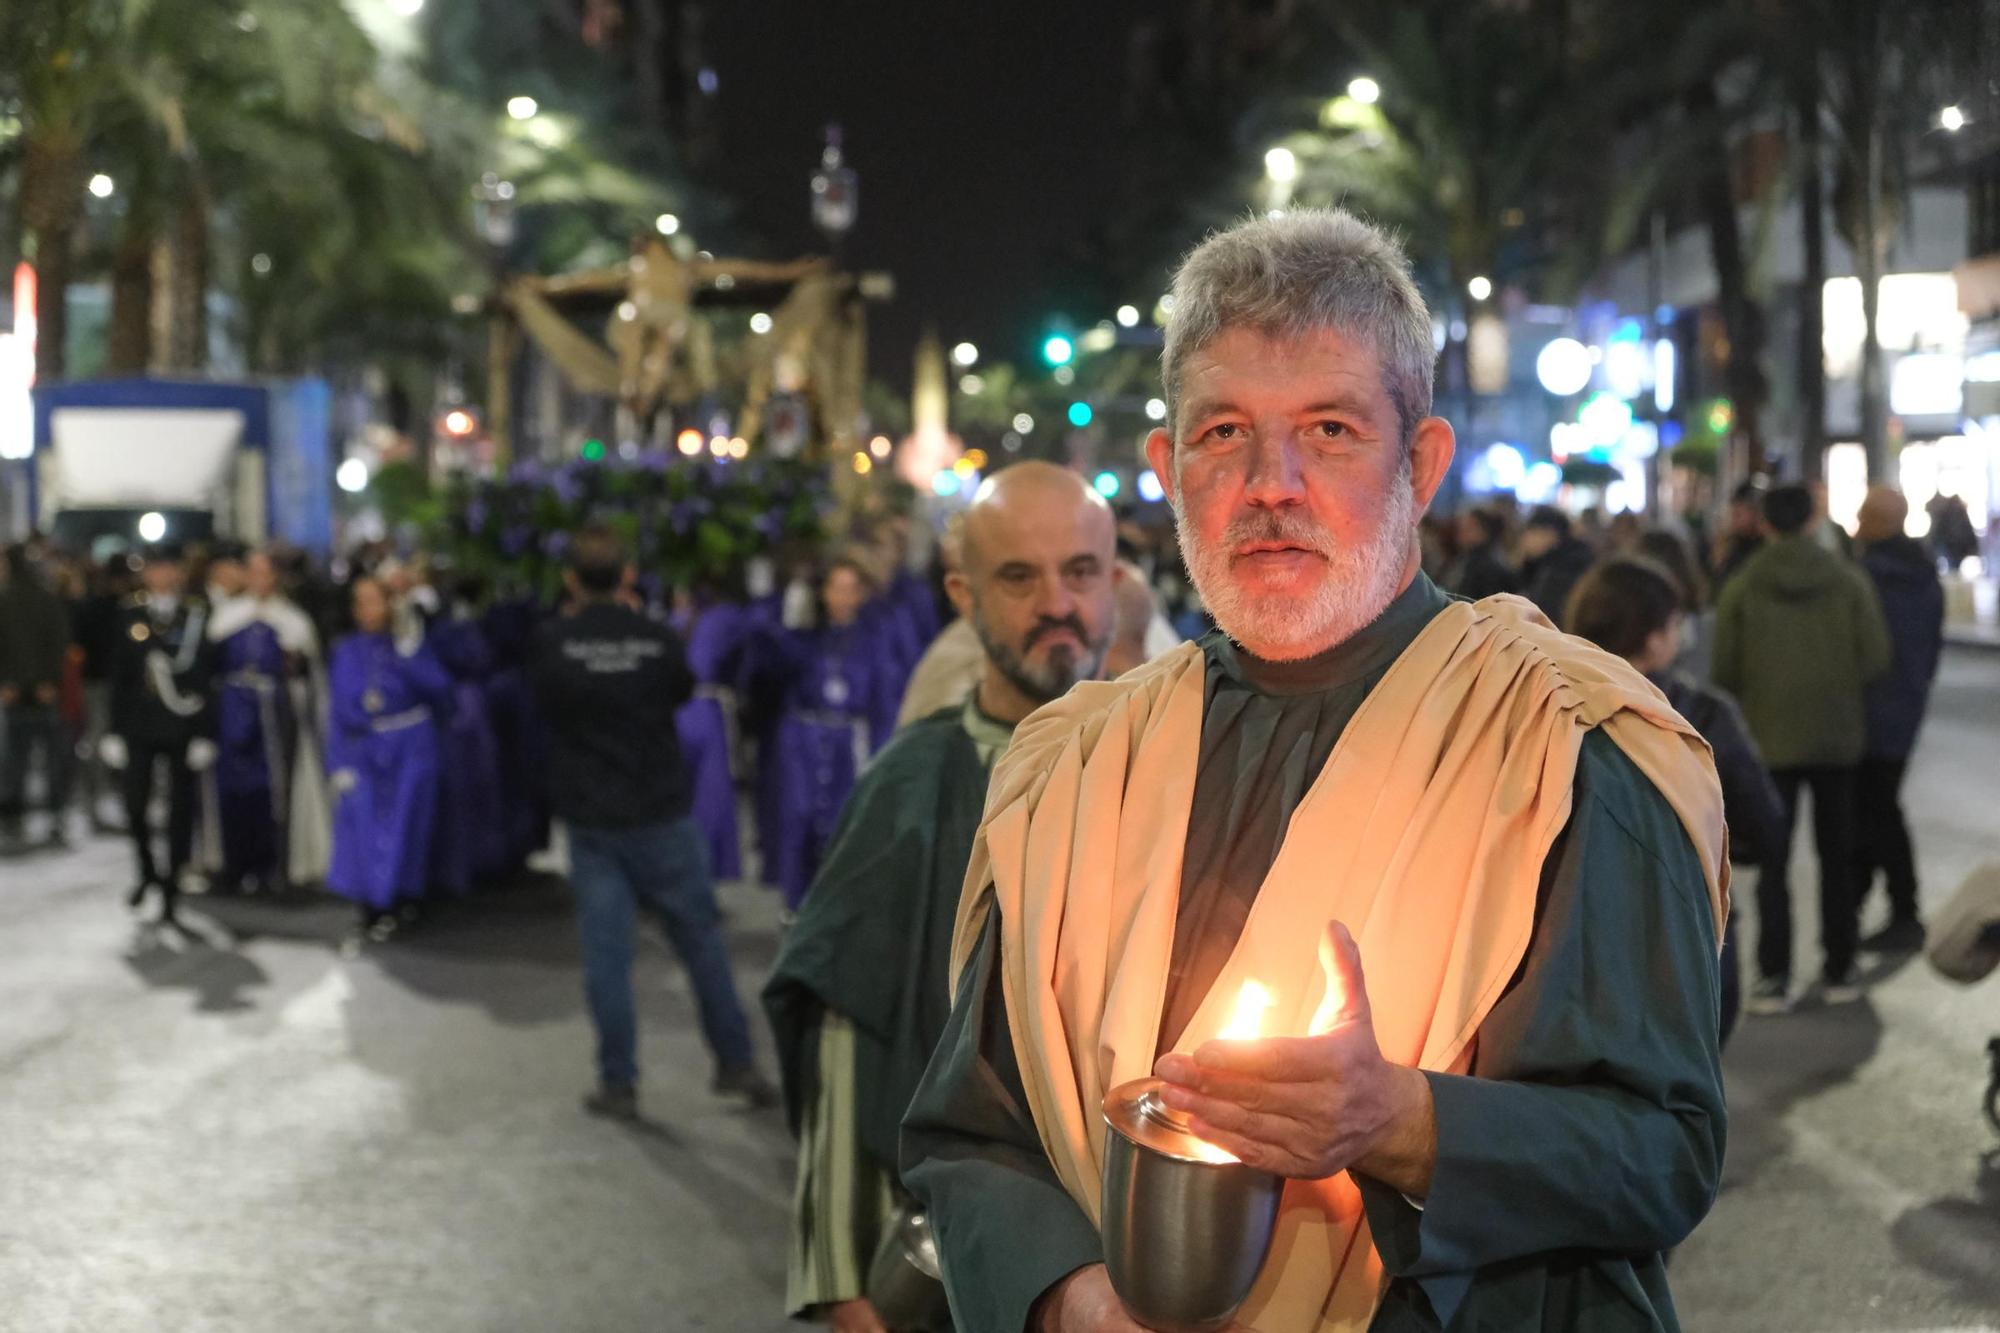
[(1518, 1108)]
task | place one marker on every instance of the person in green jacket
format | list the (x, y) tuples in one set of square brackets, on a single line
[(1798, 634), (861, 988)]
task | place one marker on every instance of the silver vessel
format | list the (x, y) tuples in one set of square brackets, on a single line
[(1186, 1226)]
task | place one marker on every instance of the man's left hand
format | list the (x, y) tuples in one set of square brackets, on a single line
[(1311, 1107)]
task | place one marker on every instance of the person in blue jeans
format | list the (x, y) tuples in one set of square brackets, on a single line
[(609, 680)]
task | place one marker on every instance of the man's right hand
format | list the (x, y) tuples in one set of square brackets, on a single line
[(1083, 1302), (855, 1316)]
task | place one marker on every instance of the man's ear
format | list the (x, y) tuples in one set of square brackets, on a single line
[(1431, 449), (1160, 455), (959, 589)]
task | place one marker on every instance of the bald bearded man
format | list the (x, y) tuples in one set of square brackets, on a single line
[(860, 991)]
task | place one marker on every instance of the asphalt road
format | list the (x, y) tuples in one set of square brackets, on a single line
[(246, 1130)]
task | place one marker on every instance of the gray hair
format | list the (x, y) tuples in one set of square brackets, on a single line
[(1302, 272)]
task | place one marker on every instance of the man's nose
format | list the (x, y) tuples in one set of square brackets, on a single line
[(1277, 473)]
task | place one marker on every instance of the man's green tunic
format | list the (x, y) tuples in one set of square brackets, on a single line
[(862, 981), (1587, 1139)]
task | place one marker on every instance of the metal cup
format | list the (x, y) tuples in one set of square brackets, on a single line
[(905, 1284), (1186, 1226)]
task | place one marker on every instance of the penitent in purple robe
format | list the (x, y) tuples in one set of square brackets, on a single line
[(472, 827), (843, 682), (384, 732), (253, 752), (707, 726)]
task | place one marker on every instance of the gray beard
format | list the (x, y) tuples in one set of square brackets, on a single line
[(1360, 582), (1049, 683)]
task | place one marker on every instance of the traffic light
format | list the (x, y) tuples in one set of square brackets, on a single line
[(593, 450), (1080, 414), (1058, 350)]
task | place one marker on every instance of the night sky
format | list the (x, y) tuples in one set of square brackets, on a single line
[(982, 135)]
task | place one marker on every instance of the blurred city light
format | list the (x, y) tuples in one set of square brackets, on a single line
[(523, 108), (1149, 488), (688, 442), (719, 446), (1364, 90), (1065, 375), (1156, 409), (976, 457), (945, 482), (592, 451), (760, 323), (1952, 118), (972, 385), (1058, 350), (101, 185), (1479, 288), (1128, 316), (965, 354), (1023, 423), (666, 224), (1080, 414), (1107, 485), (880, 446), (458, 422), (408, 9), (1281, 165), (152, 526), (1563, 366), (863, 464), (351, 476), (739, 447)]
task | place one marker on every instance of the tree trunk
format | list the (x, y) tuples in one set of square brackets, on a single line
[(1812, 285), (1742, 317), (51, 203), (187, 345), (129, 345)]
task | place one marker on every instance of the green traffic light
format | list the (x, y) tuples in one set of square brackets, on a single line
[(1080, 414), (1058, 350), (593, 450)]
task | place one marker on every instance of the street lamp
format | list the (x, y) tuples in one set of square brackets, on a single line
[(1952, 119), (523, 108), (965, 355), (836, 191), (1128, 316), (101, 185), (1364, 90), (1479, 288), (1281, 165), (666, 224)]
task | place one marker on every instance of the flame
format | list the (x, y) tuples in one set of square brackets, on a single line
[(1247, 1022)]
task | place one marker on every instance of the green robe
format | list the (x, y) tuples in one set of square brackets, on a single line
[(861, 989), (1585, 1142)]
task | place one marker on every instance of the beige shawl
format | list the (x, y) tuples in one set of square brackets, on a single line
[(1425, 834)]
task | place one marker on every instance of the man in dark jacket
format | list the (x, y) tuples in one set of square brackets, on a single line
[(34, 641), (1744, 535), (1798, 634), (609, 681), (1906, 580), (1553, 558)]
